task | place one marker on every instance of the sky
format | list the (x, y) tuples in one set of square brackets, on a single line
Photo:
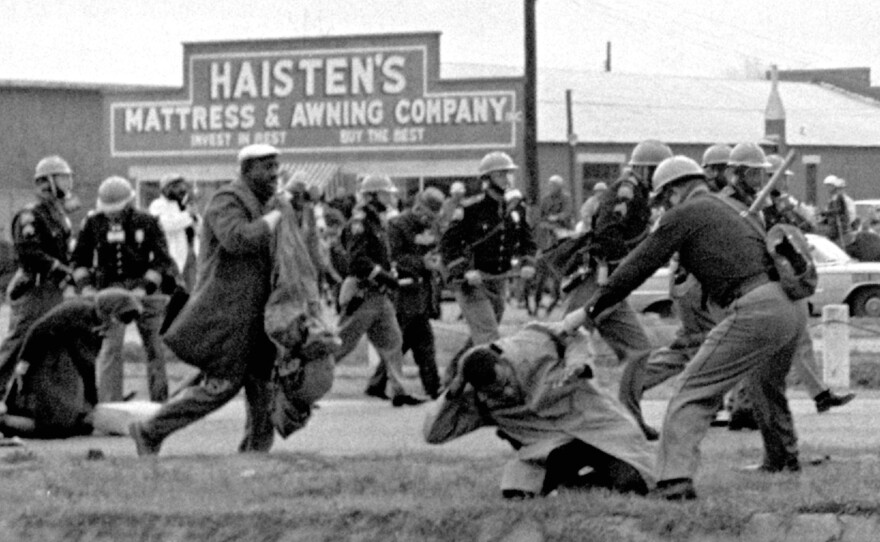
[(140, 41)]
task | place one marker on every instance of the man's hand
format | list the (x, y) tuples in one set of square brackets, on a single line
[(432, 261), (473, 277), (272, 218), (527, 272), (574, 320)]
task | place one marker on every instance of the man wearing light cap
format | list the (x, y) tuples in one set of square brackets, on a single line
[(41, 234), (221, 328), (590, 207), (840, 211), (180, 222), (121, 246), (457, 192)]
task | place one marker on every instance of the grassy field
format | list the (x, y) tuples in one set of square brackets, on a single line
[(409, 497)]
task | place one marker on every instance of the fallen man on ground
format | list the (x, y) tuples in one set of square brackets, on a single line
[(535, 387)]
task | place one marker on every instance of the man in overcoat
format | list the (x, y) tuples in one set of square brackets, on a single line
[(220, 330)]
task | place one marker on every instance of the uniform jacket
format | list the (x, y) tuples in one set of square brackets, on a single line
[(501, 235), (41, 235), (220, 329), (120, 252), (366, 240), (410, 239), (175, 222), (551, 415)]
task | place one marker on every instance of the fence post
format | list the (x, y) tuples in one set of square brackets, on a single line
[(835, 345)]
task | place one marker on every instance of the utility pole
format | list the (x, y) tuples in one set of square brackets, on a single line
[(607, 56), (530, 128)]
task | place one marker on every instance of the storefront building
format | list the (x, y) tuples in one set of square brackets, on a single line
[(337, 108)]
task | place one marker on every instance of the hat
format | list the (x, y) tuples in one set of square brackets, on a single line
[(478, 366), (114, 195), (457, 188), (170, 178), (258, 150), (600, 186), (512, 194), (833, 180), (556, 179), (297, 182)]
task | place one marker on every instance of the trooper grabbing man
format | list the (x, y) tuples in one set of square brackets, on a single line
[(365, 299), (41, 234), (758, 337), (478, 248), (121, 246), (622, 221)]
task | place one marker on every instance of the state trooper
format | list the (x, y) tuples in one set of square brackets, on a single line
[(715, 159), (364, 296), (413, 241), (119, 245), (758, 337), (478, 248), (41, 235), (622, 221)]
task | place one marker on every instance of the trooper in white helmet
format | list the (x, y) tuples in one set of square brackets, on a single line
[(758, 338), (840, 212), (221, 328), (41, 235), (120, 246), (479, 247)]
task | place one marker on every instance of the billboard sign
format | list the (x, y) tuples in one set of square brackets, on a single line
[(322, 96)]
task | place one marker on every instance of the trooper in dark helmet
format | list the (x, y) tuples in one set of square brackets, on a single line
[(715, 160)]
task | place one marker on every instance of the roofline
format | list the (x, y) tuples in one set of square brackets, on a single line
[(245, 41), (68, 85)]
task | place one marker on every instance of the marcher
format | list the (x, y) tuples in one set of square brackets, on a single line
[(621, 223), (41, 234), (54, 392), (758, 338), (304, 210), (119, 245), (180, 223), (412, 239), (535, 387), (365, 295), (589, 208), (840, 210), (478, 249), (220, 330), (343, 202)]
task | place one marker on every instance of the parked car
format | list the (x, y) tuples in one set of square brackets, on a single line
[(867, 209), (842, 280)]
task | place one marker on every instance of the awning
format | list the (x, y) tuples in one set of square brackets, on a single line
[(191, 172), (320, 174)]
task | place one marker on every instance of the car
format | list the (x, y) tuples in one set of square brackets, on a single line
[(867, 209), (842, 281)]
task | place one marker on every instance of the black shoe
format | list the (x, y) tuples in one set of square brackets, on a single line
[(378, 393), (739, 422), (721, 419), (826, 400), (678, 489), (141, 442), (517, 494), (406, 400)]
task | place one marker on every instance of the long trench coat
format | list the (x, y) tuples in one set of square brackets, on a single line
[(220, 329), (551, 415)]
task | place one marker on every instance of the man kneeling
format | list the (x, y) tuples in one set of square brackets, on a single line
[(535, 387)]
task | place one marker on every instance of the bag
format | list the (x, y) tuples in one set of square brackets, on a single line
[(789, 251), (295, 321), (794, 264)]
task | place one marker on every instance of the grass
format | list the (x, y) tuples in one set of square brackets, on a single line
[(413, 496)]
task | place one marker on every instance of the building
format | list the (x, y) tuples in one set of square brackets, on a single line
[(345, 106)]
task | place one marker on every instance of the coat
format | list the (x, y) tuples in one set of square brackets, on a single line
[(220, 329), (175, 222), (552, 415)]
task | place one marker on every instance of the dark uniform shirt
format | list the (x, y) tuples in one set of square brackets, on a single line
[(622, 219), (410, 239), (120, 251), (489, 236), (366, 241), (714, 243), (41, 234)]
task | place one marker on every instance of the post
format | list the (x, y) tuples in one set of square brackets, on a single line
[(607, 56), (835, 345), (530, 117), (577, 187)]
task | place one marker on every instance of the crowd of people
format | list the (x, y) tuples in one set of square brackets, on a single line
[(383, 266)]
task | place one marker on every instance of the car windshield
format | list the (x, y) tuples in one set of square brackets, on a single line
[(824, 250)]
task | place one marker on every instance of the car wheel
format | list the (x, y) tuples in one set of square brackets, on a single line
[(865, 303)]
